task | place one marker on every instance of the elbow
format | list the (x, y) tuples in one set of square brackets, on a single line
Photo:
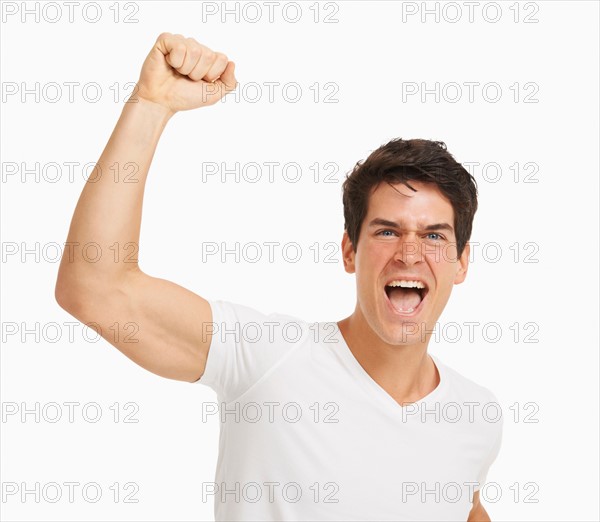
[(63, 296), (66, 292), (72, 299)]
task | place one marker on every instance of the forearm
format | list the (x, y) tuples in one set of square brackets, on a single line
[(109, 210)]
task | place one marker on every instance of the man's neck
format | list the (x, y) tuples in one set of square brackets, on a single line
[(406, 372)]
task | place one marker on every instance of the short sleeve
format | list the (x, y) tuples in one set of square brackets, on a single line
[(493, 453), (246, 345)]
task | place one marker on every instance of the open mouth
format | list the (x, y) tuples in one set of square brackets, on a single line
[(406, 295)]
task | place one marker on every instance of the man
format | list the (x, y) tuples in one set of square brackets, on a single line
[(348, 420)]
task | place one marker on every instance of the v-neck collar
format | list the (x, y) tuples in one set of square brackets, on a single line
[(388, 403)]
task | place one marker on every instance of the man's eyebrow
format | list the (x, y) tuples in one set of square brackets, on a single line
[(439, 226), (386, 223)]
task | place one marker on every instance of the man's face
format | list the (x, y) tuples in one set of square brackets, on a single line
[(418, 244)]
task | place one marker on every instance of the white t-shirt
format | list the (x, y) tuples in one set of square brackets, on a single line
[(307, 434)]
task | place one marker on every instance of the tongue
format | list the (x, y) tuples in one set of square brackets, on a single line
[(403, 299)]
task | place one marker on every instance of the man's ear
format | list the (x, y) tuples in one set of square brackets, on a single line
[(348, 254), (463, 265)]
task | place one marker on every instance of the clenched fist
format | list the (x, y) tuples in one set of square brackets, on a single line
[(182, 74)]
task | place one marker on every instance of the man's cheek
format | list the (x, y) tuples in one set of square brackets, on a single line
[(450, 253)]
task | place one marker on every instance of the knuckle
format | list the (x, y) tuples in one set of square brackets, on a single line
[(193, 54), (209, 54)]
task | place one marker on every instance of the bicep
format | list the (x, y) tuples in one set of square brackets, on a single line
[(159, 325)]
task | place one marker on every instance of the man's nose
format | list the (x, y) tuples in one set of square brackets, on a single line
[(409, 251)]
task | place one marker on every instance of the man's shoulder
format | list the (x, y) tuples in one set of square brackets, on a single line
[(255, 325), (246, 311)]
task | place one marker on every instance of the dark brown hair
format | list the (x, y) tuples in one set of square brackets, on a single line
[(400, 161)]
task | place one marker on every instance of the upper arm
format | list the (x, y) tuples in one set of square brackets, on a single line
[(478, 512), (158, 324)]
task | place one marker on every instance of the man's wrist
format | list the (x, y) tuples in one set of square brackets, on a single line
[(152, 108)]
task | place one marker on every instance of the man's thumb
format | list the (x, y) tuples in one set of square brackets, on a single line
[(229, 83)]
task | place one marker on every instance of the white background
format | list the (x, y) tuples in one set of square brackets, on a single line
[(371, 53)]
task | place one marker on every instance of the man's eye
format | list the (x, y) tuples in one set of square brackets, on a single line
[(437, 236), (384, 231)]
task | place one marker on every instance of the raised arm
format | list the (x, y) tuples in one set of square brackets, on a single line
[(156, 323)]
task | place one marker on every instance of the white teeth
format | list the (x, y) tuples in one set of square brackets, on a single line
[(406, 284)]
